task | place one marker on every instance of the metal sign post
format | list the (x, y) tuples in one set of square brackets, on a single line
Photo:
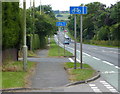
[(64, 44), (64, 40), (75, 41), (78, 10), (58, 40), (81, 41), (59, 24)]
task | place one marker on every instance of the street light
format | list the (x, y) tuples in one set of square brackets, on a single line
[(24, 34)]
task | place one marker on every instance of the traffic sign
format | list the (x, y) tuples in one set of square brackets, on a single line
[(60, 23), (78, 10)]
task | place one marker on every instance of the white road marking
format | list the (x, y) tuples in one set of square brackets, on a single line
[(109, 72), (97, 90), (96, 58), (78, 60), (108, 86), (113, 90), (103, 81), (117, 67), (71, 60), (86, 54), (91, 84), (94, 88), (108, 63)]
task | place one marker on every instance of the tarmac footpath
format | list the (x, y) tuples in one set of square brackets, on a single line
[(49, 71)]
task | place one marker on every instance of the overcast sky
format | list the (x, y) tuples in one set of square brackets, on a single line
[(65, 4)]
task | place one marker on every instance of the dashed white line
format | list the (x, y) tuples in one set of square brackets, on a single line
[(113, 90), (91, 84), (109, 72), (108, 63), (96, 58), (108, 86), (94, 88), (117, 67), (71, 60), (78, 60), (86, 54)]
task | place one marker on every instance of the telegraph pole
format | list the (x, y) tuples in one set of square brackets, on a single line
[(24, 46), (33, 23), (30, 32)]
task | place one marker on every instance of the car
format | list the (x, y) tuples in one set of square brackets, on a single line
[(66, 42)]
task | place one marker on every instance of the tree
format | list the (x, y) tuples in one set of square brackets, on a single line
[(11, 26)]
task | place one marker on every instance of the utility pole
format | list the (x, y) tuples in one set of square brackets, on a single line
[(33, 22), (75, 41), (24, 34), (30, 32)]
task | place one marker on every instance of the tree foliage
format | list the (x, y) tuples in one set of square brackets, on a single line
[(11, 27), (101, 22)]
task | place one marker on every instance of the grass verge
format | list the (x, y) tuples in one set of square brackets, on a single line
[(53, 51), (112, 44), (13, 75), (79, 74)]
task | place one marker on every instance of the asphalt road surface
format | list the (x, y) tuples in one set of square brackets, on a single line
[(103, 59)]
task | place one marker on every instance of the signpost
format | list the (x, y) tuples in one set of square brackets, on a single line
[(59, 24), (64, 40), (78, 10)]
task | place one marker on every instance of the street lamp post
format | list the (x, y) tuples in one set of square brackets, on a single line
[(24, 46), (30, 32)]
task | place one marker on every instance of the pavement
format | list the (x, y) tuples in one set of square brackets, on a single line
[(49, 71), (50, 76)]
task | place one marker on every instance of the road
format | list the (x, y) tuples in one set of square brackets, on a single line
[(103, 59)]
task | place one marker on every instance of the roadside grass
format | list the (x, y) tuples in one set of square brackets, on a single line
[(31, 54), (53, 51), (102, 45), (97, 43), (79, 74), (13, 75), (0, 79)]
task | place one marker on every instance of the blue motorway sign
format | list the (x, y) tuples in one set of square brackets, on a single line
[(60, 23), (78, 10)]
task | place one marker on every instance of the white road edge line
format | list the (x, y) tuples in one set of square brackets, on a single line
[(71, 60), (86, 54), (108, 63), (96, 58), (117, 67)]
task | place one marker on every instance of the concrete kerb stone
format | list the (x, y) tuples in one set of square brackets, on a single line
[(85, 81)]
